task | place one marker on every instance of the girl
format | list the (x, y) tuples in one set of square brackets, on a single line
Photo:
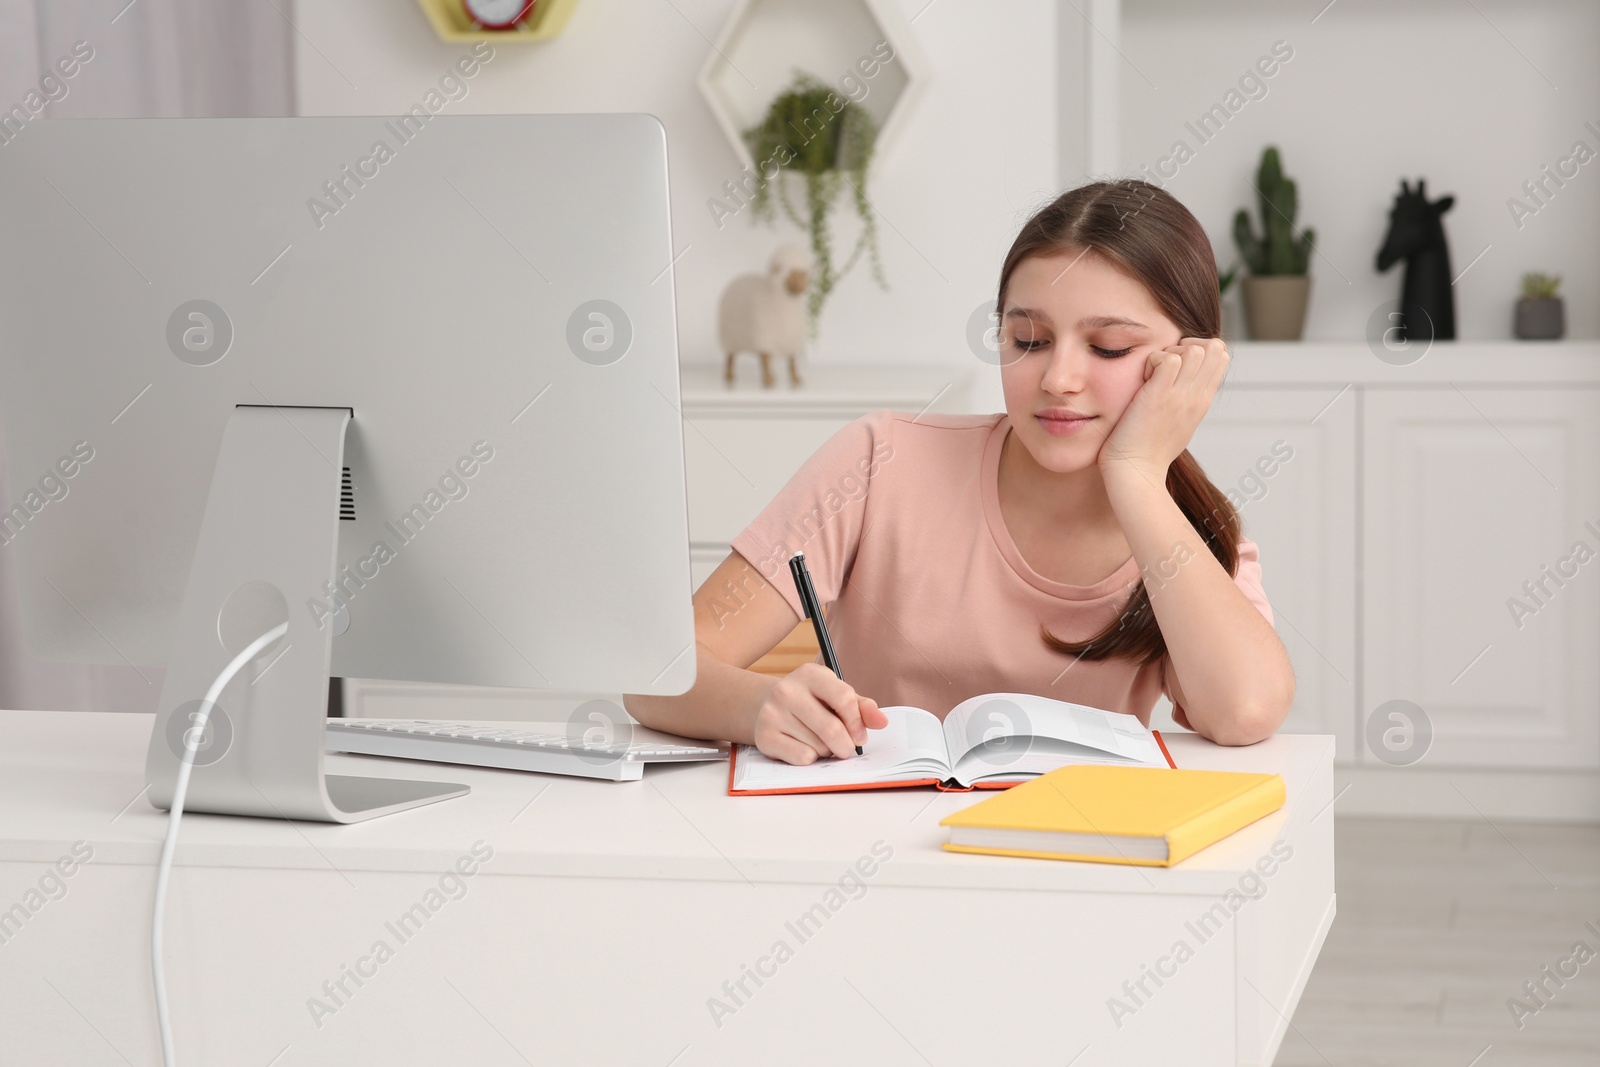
[(1071, 547)]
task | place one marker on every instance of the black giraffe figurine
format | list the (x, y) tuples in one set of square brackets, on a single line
[(1416, 235)]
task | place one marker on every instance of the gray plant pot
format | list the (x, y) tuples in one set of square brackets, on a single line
[(1275, 306), (1540, 320)]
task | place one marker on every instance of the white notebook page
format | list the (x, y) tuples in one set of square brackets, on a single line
[(910, 746)]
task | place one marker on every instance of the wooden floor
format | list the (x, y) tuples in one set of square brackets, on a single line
[(1439, 924)]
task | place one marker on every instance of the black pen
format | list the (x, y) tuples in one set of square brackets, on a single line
[(813, 610)]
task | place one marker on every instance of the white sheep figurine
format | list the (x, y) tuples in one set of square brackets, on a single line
[(766, 314)]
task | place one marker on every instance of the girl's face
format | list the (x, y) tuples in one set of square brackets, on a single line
[(1075, 335)]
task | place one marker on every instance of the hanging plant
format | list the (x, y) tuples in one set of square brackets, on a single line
[(827, 146)]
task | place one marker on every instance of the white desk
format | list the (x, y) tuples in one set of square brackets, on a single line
[(610, 914)]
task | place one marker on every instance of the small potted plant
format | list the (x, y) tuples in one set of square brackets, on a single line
[(828, 146), (1541, 314), (1277, 287)]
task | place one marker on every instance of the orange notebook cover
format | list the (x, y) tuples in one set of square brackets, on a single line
[(1005, 733)]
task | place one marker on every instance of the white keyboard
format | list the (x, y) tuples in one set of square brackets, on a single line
[(516, 748)]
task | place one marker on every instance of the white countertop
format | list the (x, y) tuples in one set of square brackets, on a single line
[(825, 389), (70, 776), (1255, 363), (1504, 363)]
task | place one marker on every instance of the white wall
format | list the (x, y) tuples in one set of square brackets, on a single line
[(1477, 101), (979, 154)]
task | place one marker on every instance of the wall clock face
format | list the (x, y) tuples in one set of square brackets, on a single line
[(497, 14)]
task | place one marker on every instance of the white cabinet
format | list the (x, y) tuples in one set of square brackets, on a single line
[(1286, 458), (735, 465), (1445, 491), (1477, 500), (742, 444)]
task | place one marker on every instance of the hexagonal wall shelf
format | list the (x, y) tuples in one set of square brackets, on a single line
[(765, 41)]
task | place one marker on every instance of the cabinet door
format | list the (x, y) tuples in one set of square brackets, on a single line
[(1481, 587), (735, 466), (1287, 458)]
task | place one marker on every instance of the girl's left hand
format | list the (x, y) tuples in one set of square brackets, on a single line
[(1160, 420)]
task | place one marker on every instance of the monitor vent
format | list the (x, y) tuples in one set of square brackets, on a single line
[(347, 499)]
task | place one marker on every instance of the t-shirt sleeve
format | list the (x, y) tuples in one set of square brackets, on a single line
[(1248, 579), (821, 511)]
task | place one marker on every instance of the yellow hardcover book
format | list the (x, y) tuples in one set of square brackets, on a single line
[(1151, 817)]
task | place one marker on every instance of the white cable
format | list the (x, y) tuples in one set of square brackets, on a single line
[(191, 744)]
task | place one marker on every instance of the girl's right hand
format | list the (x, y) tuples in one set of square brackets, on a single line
[(812, 712)]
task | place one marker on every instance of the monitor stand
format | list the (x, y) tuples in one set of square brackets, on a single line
[(268, 543)]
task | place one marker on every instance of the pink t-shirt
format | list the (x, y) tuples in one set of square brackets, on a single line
[(899, 519)]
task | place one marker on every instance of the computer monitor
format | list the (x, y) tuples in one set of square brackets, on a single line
[(410, 383)]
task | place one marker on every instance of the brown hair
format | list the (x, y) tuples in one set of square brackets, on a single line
[(1143, 231)]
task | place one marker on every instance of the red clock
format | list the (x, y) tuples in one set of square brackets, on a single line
[(497, 14)]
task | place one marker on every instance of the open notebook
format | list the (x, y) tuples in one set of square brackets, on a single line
[(987, 742)]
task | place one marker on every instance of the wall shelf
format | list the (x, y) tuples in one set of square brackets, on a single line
[(449, 20), (765, 41)]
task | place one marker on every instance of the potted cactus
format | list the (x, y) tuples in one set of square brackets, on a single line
[(1541, 315), (1277, 287)]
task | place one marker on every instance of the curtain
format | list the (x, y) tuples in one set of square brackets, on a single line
[(151, 59)]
